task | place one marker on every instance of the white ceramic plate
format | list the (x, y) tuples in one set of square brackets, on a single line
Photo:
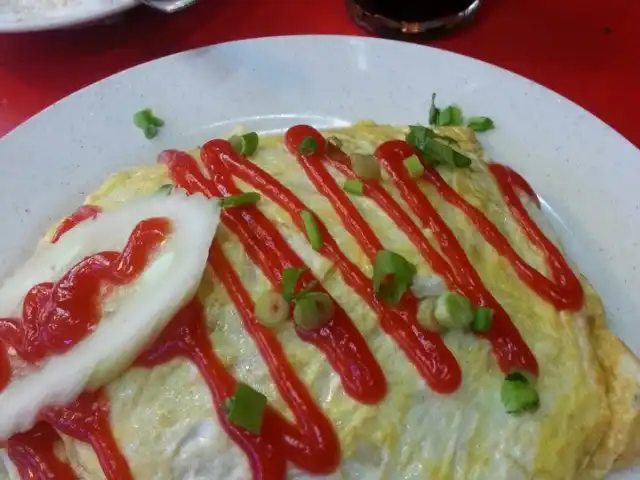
[(585, 171), (72, 13)]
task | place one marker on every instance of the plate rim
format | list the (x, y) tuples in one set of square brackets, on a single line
[(365, 38)]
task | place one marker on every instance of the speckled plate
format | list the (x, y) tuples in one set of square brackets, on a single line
[(75, 13), (586, 173)]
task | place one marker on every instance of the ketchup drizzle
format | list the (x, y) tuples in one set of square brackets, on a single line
[(339, 340), (55, 317), (425, 349), (34, 456), (509, 347), (310, 442), (87, 419), (85, 212), (565, 292), (5, 367)]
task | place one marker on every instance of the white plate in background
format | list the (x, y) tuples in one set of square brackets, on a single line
[(585, 171), (55, 14)]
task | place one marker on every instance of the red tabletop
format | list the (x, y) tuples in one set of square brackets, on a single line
[(587, 50)]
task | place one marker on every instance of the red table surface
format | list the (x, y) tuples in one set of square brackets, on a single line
[(587, 50)]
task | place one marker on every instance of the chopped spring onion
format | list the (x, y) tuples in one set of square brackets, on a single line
[(365, 166), (306, 290), (480, 124), (147, 122), (247, 198), (246, 144), (437, 153), (313, 310), (434, 112), (452, 115), (453, 311), (165, 189), (246, 408), (414, 166), (519, 394), (418, 135), (392, 276), (335, 141), (313, 232), (426, 316), (308, 146), (424, 286), (482, 320), (289, 281), (271, 309), (290, 277), (354, 187)]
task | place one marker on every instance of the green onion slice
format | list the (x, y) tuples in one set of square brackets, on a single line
[(335, 141), (414, 166), (156, 122), (150, 131), (481, 124), (392, 276), (246, 144), (437, 153), (445, 117), (420, 135), (519, 394), (452, 115), (165, 189), (308, 146), (271, 309), (453, 311), (247, 198), (311, 227), (246, 408), (147, 122), (354, 187), (434, 112), (312, 311), (482, 320), (141, 118), (290, 277)]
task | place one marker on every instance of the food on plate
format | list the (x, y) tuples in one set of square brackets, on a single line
[(146, 121), (377, 302)]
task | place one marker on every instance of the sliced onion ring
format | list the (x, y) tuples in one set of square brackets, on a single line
[(143, 307)]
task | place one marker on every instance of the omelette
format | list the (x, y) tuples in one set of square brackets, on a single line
[(372, 302)]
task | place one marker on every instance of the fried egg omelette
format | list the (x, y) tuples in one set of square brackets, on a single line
[(401, 417)]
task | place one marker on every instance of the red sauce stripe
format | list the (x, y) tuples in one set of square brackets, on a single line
[(85, 212), (423, 348), (310, 443), (33, 454), (508, 345), (56, 316), (5, 366), (87, 419), (341, 343), (565, 292)]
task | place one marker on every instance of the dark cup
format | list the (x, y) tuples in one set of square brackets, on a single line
[(412, 19)]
